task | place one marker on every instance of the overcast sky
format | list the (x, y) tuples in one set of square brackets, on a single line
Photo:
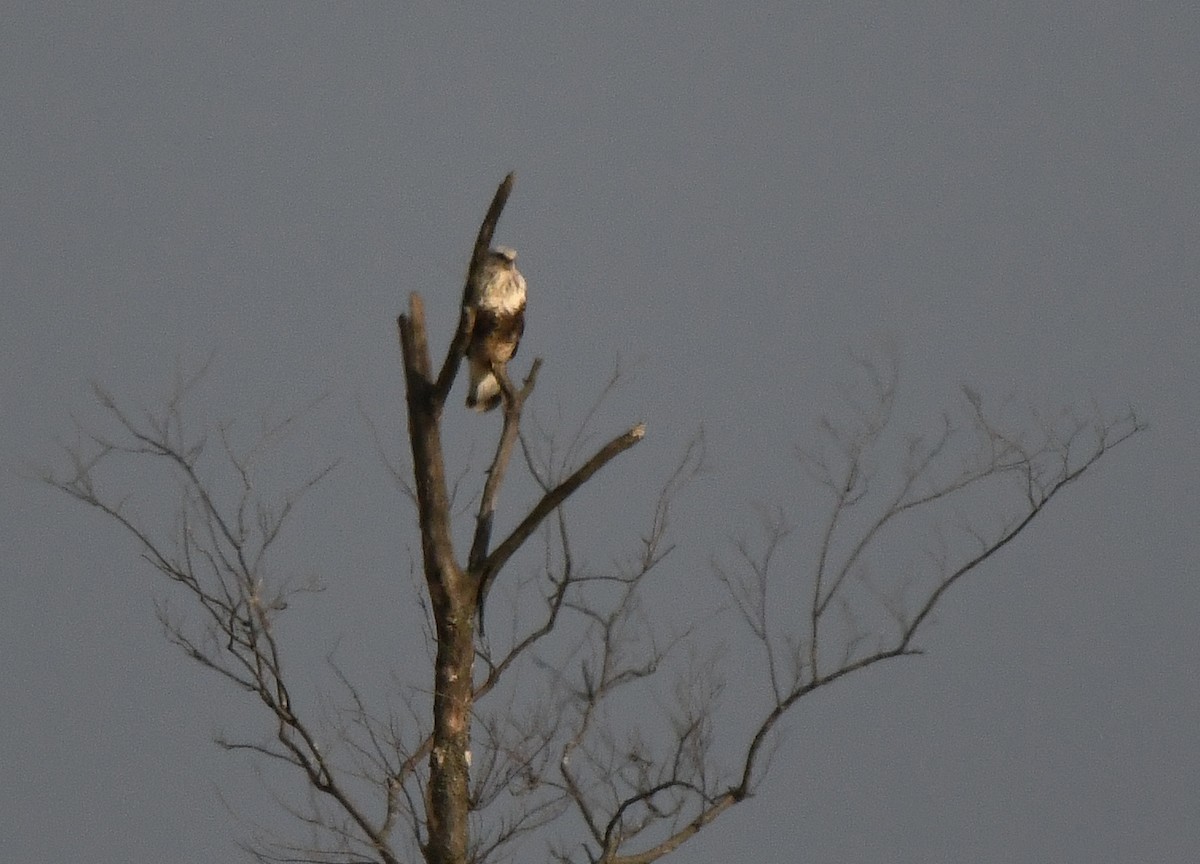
[(732, 201)]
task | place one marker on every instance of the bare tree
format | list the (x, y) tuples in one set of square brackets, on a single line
[(538, 735)]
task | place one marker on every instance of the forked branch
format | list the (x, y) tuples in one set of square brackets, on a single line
[(1033, 475), (554, 499)]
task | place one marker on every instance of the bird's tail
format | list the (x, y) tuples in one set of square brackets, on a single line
[(483, 394)]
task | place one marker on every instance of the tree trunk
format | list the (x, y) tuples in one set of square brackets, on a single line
[(449, 778), (452, 599)]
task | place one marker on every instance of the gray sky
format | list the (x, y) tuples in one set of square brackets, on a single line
[(729, 201)]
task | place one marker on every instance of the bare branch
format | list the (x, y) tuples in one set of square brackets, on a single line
[(1108, 436), (483, 241), (219, 556), (514, 402), (554, 498)]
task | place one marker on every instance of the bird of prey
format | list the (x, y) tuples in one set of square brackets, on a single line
[(498, 294)]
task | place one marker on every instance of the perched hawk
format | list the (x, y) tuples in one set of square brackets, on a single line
[(499, 298)]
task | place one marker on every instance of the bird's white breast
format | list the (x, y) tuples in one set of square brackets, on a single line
[(504, 292)]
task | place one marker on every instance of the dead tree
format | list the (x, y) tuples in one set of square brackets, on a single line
[(557, 751), (455, 591)]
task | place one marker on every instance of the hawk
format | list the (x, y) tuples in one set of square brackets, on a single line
[(498, 294)]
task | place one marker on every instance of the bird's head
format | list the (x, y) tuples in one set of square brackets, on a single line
[(508, 253)]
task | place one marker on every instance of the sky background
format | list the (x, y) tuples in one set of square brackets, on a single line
[(730, 201)]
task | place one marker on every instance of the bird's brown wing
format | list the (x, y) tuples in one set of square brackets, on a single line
[(495, 338)]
